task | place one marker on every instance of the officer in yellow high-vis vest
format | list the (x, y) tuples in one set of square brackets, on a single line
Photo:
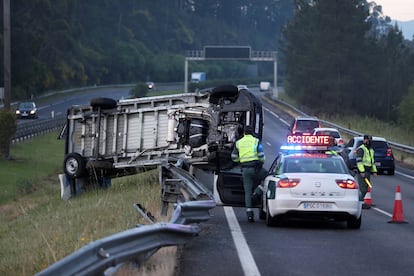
[(366, 166), (248, 151)]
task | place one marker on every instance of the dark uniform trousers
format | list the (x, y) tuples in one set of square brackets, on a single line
[(252, 177), (363, 186)]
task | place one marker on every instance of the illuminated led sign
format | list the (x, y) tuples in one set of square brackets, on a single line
[(309, 139)]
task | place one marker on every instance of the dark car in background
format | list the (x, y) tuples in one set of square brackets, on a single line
[(26, 110), (303, 125), (384, 158)]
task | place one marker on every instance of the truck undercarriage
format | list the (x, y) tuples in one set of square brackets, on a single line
[(109, 139)]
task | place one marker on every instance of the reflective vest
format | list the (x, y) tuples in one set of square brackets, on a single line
[(247, 147), (331, 152), (367, 159)]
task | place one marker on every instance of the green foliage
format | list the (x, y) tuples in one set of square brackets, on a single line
[(334, 66), (30, 203), (76, 223), (324, 55), (329, 54), (80, 43), (140, 90), (406, 111), (394, 74), (8, 127), (31, 161)]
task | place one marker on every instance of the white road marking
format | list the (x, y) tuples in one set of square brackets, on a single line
[(406, 175), (275, 115), (246, 258), (382, 212)]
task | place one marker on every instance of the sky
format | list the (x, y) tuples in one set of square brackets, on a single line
[(401, 10)]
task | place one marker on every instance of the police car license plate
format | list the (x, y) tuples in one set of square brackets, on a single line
[(377, 164), (317, 205)]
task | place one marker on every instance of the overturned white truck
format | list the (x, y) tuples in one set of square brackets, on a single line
[(109, 138)]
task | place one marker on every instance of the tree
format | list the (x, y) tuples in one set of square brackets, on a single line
[(394, 74), (406, 111), (325, 53), (8, 127)]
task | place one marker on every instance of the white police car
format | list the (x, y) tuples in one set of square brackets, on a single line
[(306, 182)]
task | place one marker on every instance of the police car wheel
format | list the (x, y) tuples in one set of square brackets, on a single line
[(269, 219), (354, 223)]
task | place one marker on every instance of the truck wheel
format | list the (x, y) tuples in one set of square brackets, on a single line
[(74, 165), (104, 103), (197, 133), (229, 92)]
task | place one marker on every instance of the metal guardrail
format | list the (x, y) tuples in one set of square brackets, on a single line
[(111, 252), (40, 126), (397, 146), (139, 244)]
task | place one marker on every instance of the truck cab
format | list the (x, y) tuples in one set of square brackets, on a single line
[(197, 77)]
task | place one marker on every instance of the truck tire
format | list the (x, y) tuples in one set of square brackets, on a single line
[(103, 103), (74, 165), (198, 133), (229, 92)]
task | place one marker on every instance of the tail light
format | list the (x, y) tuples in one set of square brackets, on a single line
[(288, 182), (340, 142), (389, 153), (347, 183)]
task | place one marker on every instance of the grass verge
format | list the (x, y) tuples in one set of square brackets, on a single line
[(38, 228)]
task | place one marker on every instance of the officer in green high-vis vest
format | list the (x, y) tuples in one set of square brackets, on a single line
[(366, 166), (248, 151)]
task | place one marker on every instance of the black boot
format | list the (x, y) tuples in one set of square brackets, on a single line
[(250, 216)]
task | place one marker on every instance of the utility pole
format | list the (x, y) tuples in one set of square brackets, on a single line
[(6, 53)]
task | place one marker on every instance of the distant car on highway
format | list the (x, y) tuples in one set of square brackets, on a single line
[(303, 125), (26, 110), (383, 155), (331, 132), (264, 86), (150, 85)]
